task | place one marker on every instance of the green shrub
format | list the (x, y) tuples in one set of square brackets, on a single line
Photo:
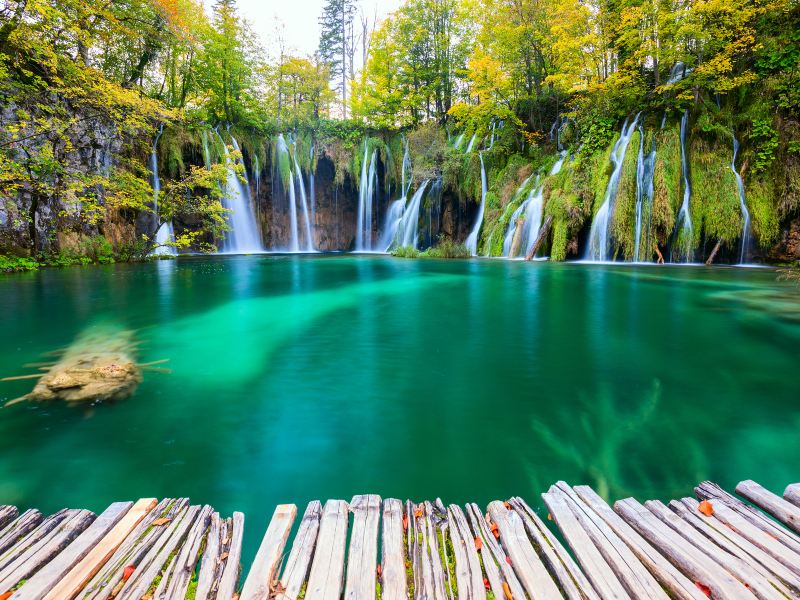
[(15, 264), (406, 252), (447, 248)]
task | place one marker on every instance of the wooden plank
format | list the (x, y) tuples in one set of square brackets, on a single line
[(133, 550), (7, 514), (394, 585), (786, 512), (687, 509), (590, 558), (633, 575), (327, 569), (46, 578), (663, 570), (362, 555), (157, 559), (469, 576), (688, 559), (299, 562), (712, 491), (524, 560), (231, 568), (741, 570), (257, 585), (757, 536), (210, 562), (46, 548), (186, 561), (570, 578), (430, 521), (41, 531), (424, 588), (792, 493), (496, 557), (82, 573), (18, 528)]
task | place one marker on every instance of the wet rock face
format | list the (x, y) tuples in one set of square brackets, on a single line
[(31, 221), (788, 248)]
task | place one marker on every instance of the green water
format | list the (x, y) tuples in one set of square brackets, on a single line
[(295, 378)]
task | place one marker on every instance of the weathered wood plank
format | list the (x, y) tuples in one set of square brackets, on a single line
[(469, 577), (41, 531), (7, 514), (362, 555), (209, 564), (663, 570), (186, 560), (726, 538), (82, 573), (132, 550), (741, 570), (231, 566), (432, 518), (786, 512), (18, 528), (633, 575), (257, 585), (327, 569), (688, 559), (158, 558), (299, 561), (524, 559), (570, 578), (792, 493), (711, 491), (394, 585), (47, 577), (594, 565), (45, 548), (496, 558)]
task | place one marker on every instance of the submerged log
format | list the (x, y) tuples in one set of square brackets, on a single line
[(713, 254), (100, 365), (543, 231), (658, 253), (516, 240)]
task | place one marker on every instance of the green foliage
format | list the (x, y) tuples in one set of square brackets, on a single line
[(14, 264), (623, 222), (715, 196), (759, 194), (764, 140), (446, 248), (406, 252)]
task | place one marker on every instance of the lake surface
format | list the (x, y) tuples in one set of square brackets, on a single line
[(298, 378)]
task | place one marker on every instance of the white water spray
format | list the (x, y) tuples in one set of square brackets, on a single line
[(472, 239), (742, 205)]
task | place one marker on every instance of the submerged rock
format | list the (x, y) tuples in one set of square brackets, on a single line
[(99, 366)]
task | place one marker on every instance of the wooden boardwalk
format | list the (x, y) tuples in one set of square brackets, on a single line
[(716, 545)]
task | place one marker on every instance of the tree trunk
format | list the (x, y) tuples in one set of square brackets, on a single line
[(543, 231), (713, 254)]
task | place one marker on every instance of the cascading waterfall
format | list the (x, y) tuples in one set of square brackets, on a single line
[(459, 140), (599, 235), (471, 143), (742, 205), (256, 174), (294, 235), (366, 191), (165, 233), (206, 151), (683, 225), (309, 245), (678, 72), (472, 239), (243, 236), (645, 166), (508, 240)]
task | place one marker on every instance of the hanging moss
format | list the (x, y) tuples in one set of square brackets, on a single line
[(283, 163), (171, 145), (715, 195), (759, 196), (667, 193), (623, 222)]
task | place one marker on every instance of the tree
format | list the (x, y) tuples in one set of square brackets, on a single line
[(337, 42)]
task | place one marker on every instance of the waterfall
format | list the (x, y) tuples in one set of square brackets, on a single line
[(311, 191), (601, 225), (283, 156), (256, 173), (742, 205), (206, 151), (471, 143), (243, 236), (678, 72), (406, 172), (683, 224), (165, 233), (304, 202), (472, 239), (491, 141), (366, 191), (508, 240), (645, 166), (457, 143)]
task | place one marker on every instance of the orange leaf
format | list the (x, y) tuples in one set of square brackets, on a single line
[(478, 544), (486, 584), (379, 570), (495, 530), (162, 521), (223, 556), (706, 508), (418, 512), (405, 522), (126, 574), (549, 517), (703, 588), (507, 505), (507, 591), (6, 596), (508, 560)]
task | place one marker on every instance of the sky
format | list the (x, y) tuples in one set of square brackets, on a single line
[(298, 19)]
